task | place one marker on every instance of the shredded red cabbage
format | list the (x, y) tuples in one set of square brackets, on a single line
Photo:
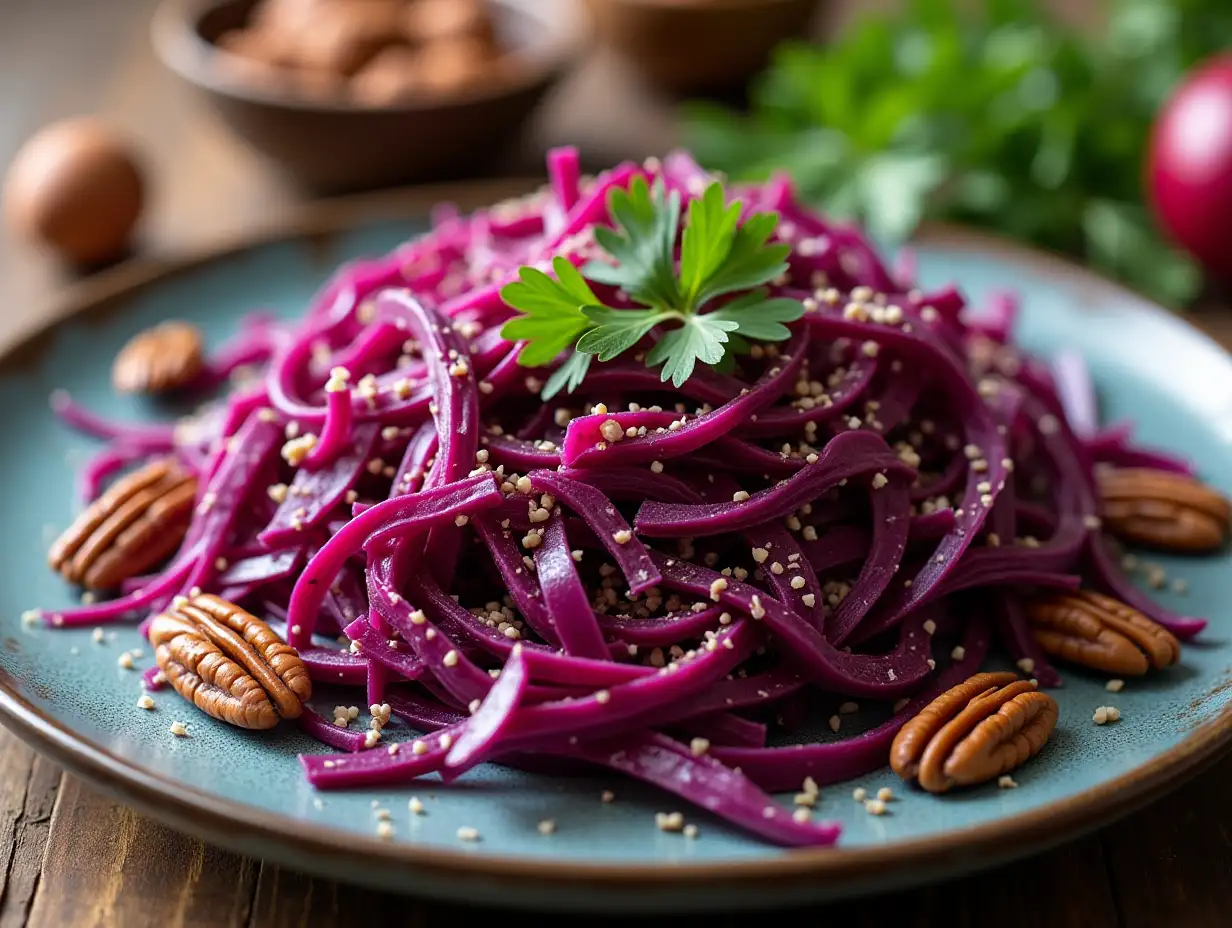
[(640, 588)]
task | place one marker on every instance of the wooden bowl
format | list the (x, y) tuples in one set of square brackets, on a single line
[(697, 46), (332, 145)]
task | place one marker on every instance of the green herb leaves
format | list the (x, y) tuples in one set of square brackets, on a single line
[(988, 113), (719, 256), (553, 311)]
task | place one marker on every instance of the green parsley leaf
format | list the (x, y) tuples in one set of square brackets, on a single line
[(644, 244), (568, 376), (719, 255), (707, 240), (760, 318), (553, 317), (750, 262), (735, 346), (618, 330), (700, 338), (992, 113)]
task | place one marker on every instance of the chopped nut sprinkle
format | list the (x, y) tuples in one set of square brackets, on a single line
[(740, 496), (699, 746), (607, 796), (885, 794), (690, 831), (1114, 686), (179, 729), (1006, 781), (669, 821), (859, 794), (384, 830), (1105, 714), (547, 827), (416, 806), (623, 537), (145, 701), (1026, 665), (467, 833)]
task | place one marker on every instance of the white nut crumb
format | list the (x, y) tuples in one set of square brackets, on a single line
[(690, 831), (1105, 714), (1114, 686), (145, 701), (415, 804), (607, 796), (467, 833), (623, 537), (885, 794), (1007, 782), (125, 660), (98, 636), (547, 827), (875, 807), (384, 831), (859, 794), (669, 821), (1026, 665), (179, 729)]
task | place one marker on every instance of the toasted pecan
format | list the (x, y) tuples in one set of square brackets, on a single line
[(229, 663), (136, 523), (1161, 509), (1102, 633), (974, 732), (164, 358)]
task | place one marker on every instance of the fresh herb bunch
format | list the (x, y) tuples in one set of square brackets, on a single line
[(719, 256), (996, 116)]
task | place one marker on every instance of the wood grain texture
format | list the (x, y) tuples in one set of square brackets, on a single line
[(106, 866)]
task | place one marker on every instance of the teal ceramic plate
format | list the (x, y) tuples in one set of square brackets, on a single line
[(67, 695)]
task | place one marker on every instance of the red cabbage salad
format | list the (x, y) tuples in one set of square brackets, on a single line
[(642, 471)]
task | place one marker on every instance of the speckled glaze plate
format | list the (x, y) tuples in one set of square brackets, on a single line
[(67, 695)]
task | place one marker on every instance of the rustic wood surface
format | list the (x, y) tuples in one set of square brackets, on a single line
[(70, 857)]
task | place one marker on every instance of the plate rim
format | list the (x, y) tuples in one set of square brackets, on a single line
[(306, 843)]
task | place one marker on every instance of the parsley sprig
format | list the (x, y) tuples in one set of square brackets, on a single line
[(719, 256)]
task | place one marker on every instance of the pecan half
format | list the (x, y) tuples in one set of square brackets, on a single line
[(137, 522), (1102, 633), (974, 732), (229, 663), (1162, 509), (158, 360)]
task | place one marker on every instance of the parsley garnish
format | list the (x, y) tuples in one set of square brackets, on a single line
[(719, 256)]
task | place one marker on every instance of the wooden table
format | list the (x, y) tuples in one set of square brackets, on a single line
[(70, 857)]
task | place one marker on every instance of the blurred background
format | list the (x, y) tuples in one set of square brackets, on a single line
[(1098, 128)]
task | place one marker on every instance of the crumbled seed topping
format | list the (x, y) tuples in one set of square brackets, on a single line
[(1106, 714)]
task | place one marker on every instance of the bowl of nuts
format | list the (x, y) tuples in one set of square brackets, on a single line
[(358, 94)]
